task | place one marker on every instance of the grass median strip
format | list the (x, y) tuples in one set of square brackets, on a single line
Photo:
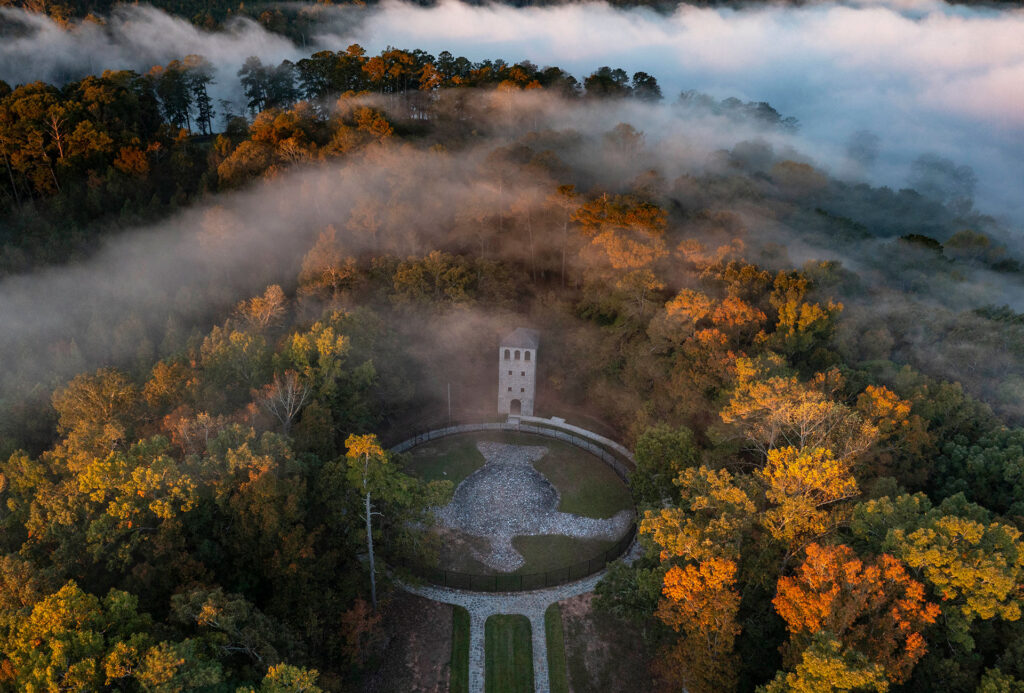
[(459, 681), (558, 673), (508, 655)]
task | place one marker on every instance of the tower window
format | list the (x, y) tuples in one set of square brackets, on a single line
[(517, 354), (520, 372), (522, 389), (510, 389), (527, 358), (508, 355), (510, 372)]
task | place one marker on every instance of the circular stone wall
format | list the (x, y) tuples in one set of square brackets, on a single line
[(524, 504)]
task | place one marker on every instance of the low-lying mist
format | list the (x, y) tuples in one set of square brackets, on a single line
[(923, 77), (123, 304)]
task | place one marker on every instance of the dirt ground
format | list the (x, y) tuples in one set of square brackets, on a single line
[(418, 650), (604, 654)]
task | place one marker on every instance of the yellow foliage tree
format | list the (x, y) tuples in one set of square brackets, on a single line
[(805, 488), (776, 410), (825, 667), (710, 520), (978, 569)]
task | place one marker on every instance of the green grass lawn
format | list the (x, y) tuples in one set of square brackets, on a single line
[(558, 673), (587, 485), (459, 681), (508, 655), (550, 552), (448, 459)]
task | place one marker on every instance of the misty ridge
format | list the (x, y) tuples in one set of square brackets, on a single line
[(737, 177), (908, 72), (480, 182)]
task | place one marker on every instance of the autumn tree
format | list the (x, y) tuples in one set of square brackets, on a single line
[(235, 625), (130, 498), (361, 625), (232, 363), (167, 387), (689, 330), (284, 397), (73, 640), (701, 602), (327, 272), (372, 472), (827, 667), (285, 678), (269, 537), (628, 232), (193, 432), (65, 640), (262, 312), (872, 606), (322, 357), (804, 329), (641, 288), (902, 436), (806, 489), (715, 512), (973, 565), (364, 456), (97, 412), (772, 408)]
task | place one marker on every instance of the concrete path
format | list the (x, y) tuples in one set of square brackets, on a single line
[(533, 604)]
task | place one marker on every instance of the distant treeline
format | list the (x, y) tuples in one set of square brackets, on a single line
[(125, 148)]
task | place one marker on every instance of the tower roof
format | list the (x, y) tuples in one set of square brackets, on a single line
[(522, 338)]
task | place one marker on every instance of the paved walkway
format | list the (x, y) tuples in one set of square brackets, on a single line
[(481, 605)]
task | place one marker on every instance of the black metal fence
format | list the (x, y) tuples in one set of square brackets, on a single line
[(529, 581), (620, 465)]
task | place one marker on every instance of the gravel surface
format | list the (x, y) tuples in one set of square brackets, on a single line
[(530, 604), (507, 498)]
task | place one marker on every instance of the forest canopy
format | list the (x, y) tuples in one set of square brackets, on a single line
[(828, 471)]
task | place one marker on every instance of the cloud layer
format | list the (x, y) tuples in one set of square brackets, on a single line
[(924, 76)]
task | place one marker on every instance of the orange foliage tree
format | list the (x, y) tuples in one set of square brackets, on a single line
[(628, 231), (701, 602), (873, 607)]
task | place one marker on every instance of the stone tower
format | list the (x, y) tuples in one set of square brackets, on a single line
[(517, 372)]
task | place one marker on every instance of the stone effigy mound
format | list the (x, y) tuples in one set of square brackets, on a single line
[(507, 498)]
